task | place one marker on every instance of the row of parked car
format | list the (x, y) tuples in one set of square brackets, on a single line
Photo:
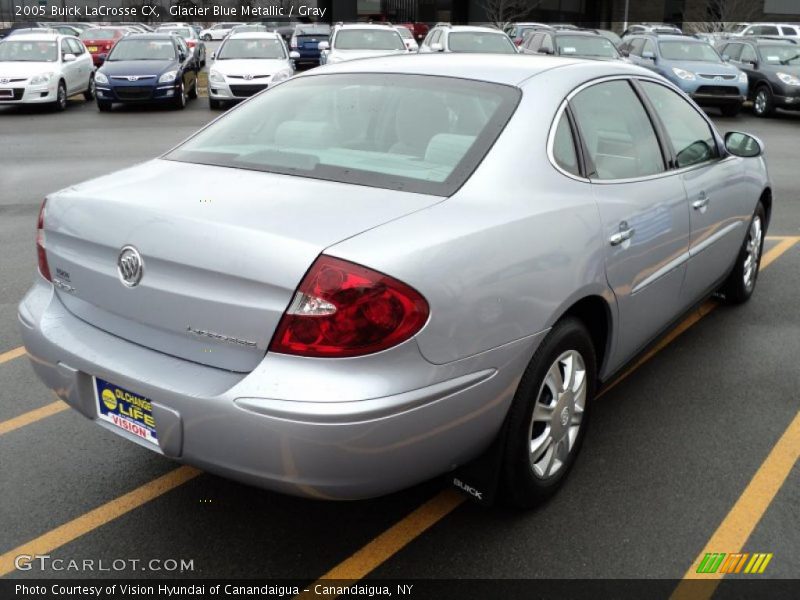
[(162, 65)]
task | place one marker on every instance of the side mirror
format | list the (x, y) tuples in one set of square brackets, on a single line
[(69, 58), (649, 54), (294, 55), (725, 58), (213, 56), (437, 47), (742, 144), (324, 46)]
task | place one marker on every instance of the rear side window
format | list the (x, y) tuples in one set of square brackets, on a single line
[(564, 147), (317, 127), (690, 134), (788, 31), (617, 131)]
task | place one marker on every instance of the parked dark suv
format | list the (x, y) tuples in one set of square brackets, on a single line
[(773, 71)]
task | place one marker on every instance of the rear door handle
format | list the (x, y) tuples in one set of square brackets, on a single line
[(701, 202), (621, 236)]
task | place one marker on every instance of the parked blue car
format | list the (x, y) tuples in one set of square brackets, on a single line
[(693, 65), (147, 68), (305, 41)]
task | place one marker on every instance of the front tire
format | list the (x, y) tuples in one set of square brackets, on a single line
[(89, 93), (61, 97), (193, 91), (741, 283), (548, 417), (764, 102), (207, 38)]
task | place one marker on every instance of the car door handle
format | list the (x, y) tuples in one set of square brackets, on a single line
[(621, 236), (701, 202)]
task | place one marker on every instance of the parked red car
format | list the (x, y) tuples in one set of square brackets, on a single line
[(100, 40)]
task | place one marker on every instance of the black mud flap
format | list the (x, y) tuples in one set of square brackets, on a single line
[(479, 479)]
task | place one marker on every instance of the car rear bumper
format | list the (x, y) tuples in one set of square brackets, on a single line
[(221, 422)]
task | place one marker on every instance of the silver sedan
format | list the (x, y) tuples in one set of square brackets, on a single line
[(379, 271)]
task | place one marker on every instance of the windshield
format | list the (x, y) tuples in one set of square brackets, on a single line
[(480, 41), (369, 39), (28, 51), (142, 50), (251, 48), (781, 55), (98, 34), (691, 51), (316, 127), (584, 45)]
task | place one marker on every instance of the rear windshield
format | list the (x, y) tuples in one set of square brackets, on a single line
[(688, 51), (369, 39), (584, 45), (142, 49), (99, 34), (28, 51), (479, 41), (251, 48), (364, 129)]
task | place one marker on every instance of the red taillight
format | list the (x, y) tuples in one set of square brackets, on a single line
[(343, 309), (44, 268), (191, 43)]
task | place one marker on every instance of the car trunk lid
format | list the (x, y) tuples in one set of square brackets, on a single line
[(222, 249)]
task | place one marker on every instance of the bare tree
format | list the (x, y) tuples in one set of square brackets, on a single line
[(502, 12), (716, 16)]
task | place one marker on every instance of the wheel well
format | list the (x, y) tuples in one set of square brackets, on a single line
[(766, 200), (594, 313)]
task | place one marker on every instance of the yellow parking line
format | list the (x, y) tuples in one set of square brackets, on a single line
[(55, 538), (775, 252), (390, 542), (12, 354), (32, 416), (736, 527)]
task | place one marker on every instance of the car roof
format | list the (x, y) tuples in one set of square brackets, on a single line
[(39, 37), (574, 32), (758, 39), (150, 36), (387, 27), (254, 35), (493, 68), (477, 28)]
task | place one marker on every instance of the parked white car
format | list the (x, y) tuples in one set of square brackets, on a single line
[(247, 63), (408, 38), (44, 68), (782, 30), (217, 32), (360, 40)]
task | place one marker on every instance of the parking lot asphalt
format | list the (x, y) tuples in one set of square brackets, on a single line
[(670, 452)]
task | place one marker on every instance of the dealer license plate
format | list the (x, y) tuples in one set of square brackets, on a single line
[(125, 409)]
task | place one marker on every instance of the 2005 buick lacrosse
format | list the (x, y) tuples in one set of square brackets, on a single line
[(369, 274)]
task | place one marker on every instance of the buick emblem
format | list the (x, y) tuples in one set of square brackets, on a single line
[(130, 266), (4, 80), (248, 77), (133, 78)]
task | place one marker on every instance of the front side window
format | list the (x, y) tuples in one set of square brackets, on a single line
[(482, 42), (369, 39), (244, 48), (564, 147), (636, 46), (76, 47), (690, 51), (690, 134), (25, 51), (315, 127), (733, 51), (617, 132), (748, 54), (649, 46)]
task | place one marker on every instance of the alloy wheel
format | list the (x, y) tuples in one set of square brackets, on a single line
[(752, 252), (760, 103), (557, 414)]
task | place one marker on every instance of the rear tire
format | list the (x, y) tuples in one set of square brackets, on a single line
[(193, 91), (741, 283), (730, 110), (548, 417), (206, 38), (764, 102)]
